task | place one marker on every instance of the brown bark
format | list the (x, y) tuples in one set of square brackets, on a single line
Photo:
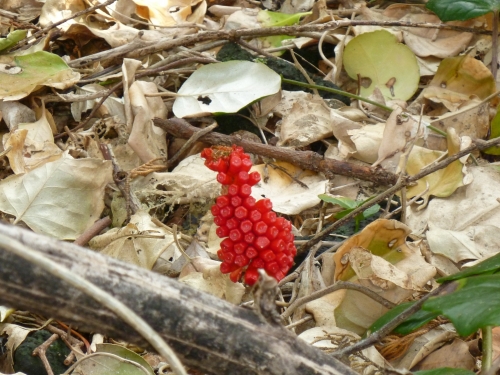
[(303, 159), (207, 333)]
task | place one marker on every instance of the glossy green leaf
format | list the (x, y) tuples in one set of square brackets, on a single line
[(412, 323), (474, 304), (453, 10), (445, 371), (486, 267)]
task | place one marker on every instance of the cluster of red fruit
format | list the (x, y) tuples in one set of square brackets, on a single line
[(254, 237)]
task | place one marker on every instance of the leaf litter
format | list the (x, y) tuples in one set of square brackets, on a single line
[(80, 111)]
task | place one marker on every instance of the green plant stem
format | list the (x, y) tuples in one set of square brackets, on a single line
[(487, 347), (352, 96), (335, 91)]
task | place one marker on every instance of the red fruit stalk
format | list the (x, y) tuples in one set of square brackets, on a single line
[(254, 237)]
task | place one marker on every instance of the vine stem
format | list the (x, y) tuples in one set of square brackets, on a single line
[(352, 96)]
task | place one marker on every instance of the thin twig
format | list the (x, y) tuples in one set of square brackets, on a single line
[(332, 288), (139, 48), (93, 231), (94, 109), (389, 327), (104, 298), (41, 351), (53, 25), (190, 142)]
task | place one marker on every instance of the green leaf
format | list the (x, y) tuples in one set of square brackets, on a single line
[(445, 371), (114, 359), (269, 19), (12, 39), (453, 10), (412, 323), (369, 58), (486, 267), (343, 202), (371, 211), (33, 70), (474, 304), (494, 133)]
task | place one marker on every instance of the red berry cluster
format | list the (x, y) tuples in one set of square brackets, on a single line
[(254, 237)]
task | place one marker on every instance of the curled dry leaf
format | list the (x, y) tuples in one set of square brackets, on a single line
[(443, 182), (379, 259)]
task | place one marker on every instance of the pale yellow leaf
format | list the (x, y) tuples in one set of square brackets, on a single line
[(60, 198)]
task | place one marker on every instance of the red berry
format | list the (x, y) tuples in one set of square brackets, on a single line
[(206, 153), (272, 232), (251, 252), (261, 242), (278, 245), (224, 179), (238, 149), (245, 190), (235, 235), (240, 213), (215, 210), (249, 202), (226, 267), (240, 248), (269, 217), (222, 201), (236, 201), (260, 228), (232, 189), (226, 245), (234, 163), (246, 226), (228, 257), (267, 255), (232, 223), (279, 223), (241, 178), (235, 275), (241, 260), (246, 164), (279, 275), (253, 178), (272, 267), (254, 215), (282, 259), (219, 221), (226, 212), (251, 276), (218, 165), (249, 238), (264, 205), (258, 263), (222, 231)]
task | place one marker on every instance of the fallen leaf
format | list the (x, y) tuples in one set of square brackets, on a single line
[(366, 58), (60, 198)]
